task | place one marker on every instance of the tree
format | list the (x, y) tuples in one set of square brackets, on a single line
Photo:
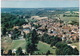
[(10, 52), (50, 39), (24, 34), (28, 16), (29, 43), (46, 28), (53, 43), (75, 51), (32, 40), (45, 38), (2, 51), (67, 50), (60, 45), (48, 52), (55, 40), (30, 48), (58, 51), (16, 34), (36, 26), (73, 23), (4, 31), (19, 51), (64, 49), (10, 20)]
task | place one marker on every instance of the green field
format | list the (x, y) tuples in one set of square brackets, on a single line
[(18, 43), (69, 18), (42, 47)]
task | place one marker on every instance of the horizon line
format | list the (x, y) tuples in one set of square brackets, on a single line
[(37, 7)]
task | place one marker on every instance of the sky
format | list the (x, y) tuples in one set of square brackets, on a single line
[(39, 4)]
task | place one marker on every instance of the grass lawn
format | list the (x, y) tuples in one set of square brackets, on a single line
[(76, 44), (42, 47), (18, 43)]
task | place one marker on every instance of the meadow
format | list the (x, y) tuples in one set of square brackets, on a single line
[(41, 46)]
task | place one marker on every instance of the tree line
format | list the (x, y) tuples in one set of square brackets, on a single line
[(8, 21)]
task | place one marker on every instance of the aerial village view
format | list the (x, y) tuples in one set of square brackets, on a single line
[(40, 31)]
